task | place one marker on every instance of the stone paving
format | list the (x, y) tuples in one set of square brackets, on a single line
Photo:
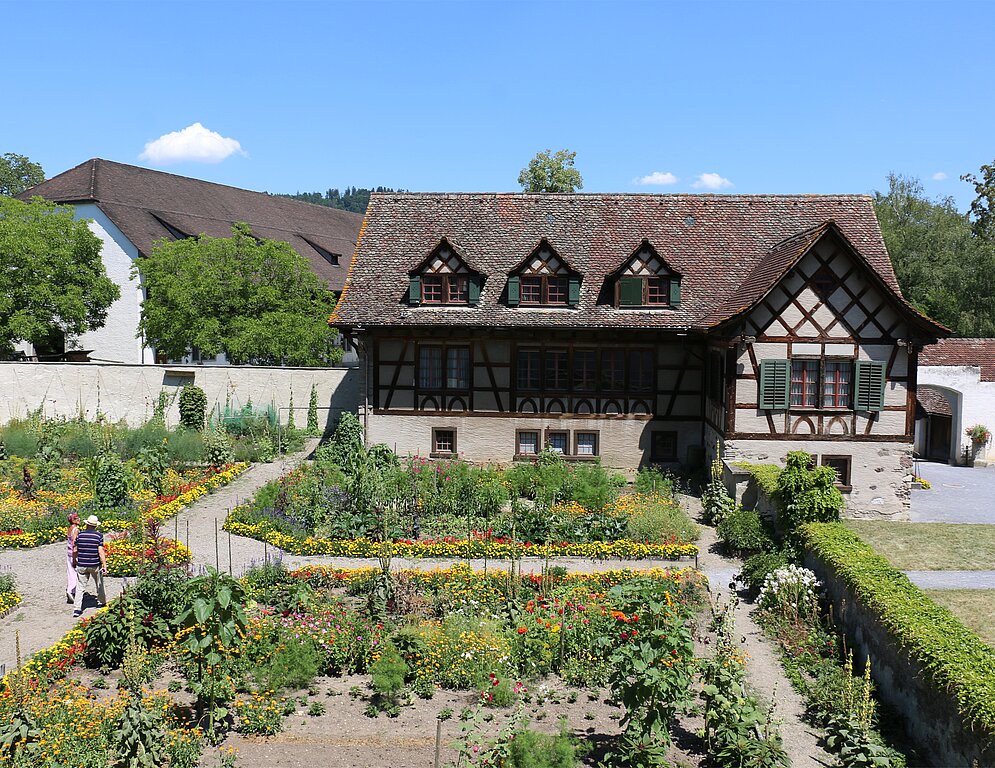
[(952, 579), (958, 495)]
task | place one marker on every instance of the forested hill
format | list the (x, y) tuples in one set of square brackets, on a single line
[(353, 199)]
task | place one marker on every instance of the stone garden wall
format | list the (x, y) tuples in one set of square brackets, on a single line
[(130, 392)]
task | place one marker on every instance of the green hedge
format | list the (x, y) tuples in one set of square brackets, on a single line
[(956, 658), (766, 475)]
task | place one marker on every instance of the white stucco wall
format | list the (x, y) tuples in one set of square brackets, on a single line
[(976, 399), (116, 341), (130, 392)]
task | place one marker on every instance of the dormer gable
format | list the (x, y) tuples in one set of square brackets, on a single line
[(646, 281), (543, 279), (444, 278)]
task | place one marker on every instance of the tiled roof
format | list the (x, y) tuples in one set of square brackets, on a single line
[(932, 401), (979, 353), (722, 245), (150, 205)]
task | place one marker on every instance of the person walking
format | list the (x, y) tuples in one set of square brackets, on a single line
[(71, 579), (90, 561)]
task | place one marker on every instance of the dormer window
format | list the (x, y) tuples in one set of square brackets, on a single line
[(646, 281), (544, 279), (444, 279)]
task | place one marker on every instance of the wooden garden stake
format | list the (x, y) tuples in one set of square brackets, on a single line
[(438, 741), (188, 534), (231, 568), (217, 550)]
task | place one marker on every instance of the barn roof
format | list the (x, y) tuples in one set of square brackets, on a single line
[(149, 205)]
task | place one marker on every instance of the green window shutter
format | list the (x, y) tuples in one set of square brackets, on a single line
[(630, 292), (868, 391), (675, 291), (414, 291), (775, 384), (473, 290), (514, 283), (573, 292)]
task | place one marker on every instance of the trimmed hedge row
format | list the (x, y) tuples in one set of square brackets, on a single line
[(765, 475), (956, 659)]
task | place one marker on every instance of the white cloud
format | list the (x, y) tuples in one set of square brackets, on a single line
[(711, 181), (939, 176), (657, 178), (194, 143)]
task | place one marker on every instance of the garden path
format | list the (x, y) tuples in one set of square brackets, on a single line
[(952, 579), (763, 668)]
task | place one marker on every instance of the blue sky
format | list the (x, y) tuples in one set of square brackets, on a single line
[(769, 97)]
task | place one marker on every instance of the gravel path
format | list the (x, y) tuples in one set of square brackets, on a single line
[(952, 579), (764, 672)]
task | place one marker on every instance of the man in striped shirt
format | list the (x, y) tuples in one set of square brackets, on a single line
[(90, 561)]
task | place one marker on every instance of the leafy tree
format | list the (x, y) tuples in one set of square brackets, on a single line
[(549, 172), (944, 268), (18, 173), (983, 206), (52, 279), (354, 199), (257, 301)]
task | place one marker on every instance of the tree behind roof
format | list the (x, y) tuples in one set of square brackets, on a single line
[(549, 172), (18, 173), (52, 279), (256, 301)]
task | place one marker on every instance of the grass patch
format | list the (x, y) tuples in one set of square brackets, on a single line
[(975, 607), (930, 546)]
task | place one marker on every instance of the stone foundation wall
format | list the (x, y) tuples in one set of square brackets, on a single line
[(130, 392), (880, 472)]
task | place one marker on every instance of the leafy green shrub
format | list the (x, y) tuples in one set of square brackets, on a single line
[(293, 666), (806, 495), (160, 589), (756, 567), (743, 531), (388, 672), (193, 407), (218, 447), (532, 749), (592, 486), (766, 476), (655, 480), (955, 659), (656, 519), (20, 440), (185, 447), (110, 482), (348, 438)]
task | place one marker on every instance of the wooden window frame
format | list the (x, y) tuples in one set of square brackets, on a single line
[(446, 283), (549, 433), (518, 443), (820, 385), (537, 351), (845, 483), (597, 444), (658, 458), (436, 453), (645, 303), (444, 387), (544, 282)]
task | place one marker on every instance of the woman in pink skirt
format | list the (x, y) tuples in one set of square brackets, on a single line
[(71, 578)]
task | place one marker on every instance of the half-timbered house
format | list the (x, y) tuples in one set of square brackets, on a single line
[(637, 329)]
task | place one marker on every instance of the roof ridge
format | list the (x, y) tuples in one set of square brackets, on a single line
[(154, 211), (593, 195)]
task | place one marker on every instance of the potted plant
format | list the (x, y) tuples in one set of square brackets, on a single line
[(979, 434)]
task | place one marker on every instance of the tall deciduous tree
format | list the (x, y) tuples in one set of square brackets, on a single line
[(983, 206), (944, 268), (549, 172), (257, 301), (52, 279), (18, 173)]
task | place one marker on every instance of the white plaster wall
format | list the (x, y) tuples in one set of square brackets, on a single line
[(977, 402), (130, 392), (116, 341), (880, 472), (624, 440)]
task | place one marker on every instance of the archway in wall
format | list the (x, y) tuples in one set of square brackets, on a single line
[(938, 423)]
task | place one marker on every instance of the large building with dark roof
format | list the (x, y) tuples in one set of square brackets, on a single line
[(638, 329), (130, 208)]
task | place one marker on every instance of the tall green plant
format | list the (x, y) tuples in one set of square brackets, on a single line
[(312, 413), (193, 407), (806, 494), (214, 625)]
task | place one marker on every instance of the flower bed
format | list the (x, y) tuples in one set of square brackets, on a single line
[(126, 558), (7, 601), (162, 508), (496, 548)]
